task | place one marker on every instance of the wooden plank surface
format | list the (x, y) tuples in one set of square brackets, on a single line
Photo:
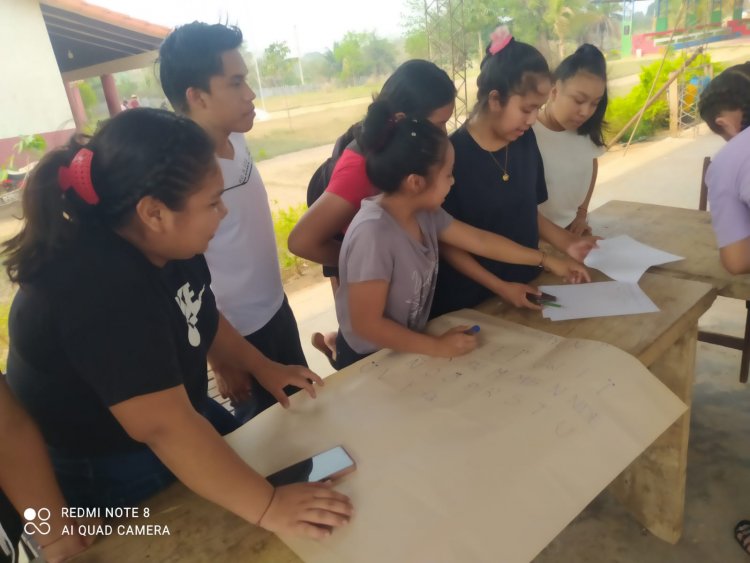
[(201, 531), (653, 487), (685, 232), (645, 336)]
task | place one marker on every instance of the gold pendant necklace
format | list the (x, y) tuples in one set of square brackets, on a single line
[(506, 176)]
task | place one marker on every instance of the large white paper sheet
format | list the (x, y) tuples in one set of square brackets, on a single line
[(483, 458), (625, 259), (596, 299)]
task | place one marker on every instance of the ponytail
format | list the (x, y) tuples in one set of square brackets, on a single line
[(397, 147), (49, 224), (141, 152)]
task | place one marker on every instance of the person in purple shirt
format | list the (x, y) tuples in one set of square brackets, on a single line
[(725, 106)]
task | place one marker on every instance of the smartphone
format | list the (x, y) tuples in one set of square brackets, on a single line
[(537, 299), (325, 466)]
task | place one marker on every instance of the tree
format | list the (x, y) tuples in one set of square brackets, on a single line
[(362, 54), (547, 24), (320, 67), (275, 66), (381, 55), (599, 24), (250, 61), (416, 44), (348, 54)]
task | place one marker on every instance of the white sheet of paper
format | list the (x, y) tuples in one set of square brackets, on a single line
[(597, 299), (483, 458), (625, 259)]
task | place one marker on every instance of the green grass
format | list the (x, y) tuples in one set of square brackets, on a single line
[(281, 136), (324, 96)]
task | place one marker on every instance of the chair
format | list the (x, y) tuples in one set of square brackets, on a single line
[(725, 340)]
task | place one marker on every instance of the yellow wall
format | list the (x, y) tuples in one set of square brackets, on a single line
[(32, 95)]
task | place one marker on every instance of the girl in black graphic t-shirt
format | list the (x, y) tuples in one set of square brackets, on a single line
[(114, 319), (499, 179)]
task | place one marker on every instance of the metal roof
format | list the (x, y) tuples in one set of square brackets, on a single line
[(83, 35)]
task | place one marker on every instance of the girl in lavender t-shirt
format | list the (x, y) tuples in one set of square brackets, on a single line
[(725, 106), (389, 258)]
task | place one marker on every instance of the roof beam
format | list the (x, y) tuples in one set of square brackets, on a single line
[(141, 60)]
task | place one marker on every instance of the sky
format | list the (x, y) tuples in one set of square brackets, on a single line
[(318, 23)]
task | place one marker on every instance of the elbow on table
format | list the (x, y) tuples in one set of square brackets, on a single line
[(736, 263)]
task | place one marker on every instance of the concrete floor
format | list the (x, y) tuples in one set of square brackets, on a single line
[(718, 487), (718, 482)]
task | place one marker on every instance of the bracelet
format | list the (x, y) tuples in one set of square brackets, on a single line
[(541, 261), (273, 494)]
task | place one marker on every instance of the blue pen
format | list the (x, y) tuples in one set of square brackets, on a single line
[(472, 330)]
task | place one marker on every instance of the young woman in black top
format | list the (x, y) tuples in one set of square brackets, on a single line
[(114, 318), (499, 179)]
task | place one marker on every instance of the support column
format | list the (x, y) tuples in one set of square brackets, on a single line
[(114, 104), (662, 15), (626, 45), (737, 10), (715, 11), (76, 105), (691, 14)]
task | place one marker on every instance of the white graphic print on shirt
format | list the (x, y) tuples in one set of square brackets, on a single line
[(423, 282), (190, 309)]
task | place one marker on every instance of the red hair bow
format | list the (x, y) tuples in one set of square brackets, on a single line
[(78, 177)]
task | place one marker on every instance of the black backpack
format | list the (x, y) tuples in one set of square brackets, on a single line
[(322, 176)]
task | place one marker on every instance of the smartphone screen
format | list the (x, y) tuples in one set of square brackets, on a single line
[(328, 464)]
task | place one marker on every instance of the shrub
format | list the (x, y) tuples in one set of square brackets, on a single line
[(656, 117), (284, 221)]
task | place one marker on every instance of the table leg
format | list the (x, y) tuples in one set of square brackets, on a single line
[(652, 488), (745, 361)]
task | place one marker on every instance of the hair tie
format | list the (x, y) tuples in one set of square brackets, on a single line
[(388, 131), (499, 39), (78, 177)]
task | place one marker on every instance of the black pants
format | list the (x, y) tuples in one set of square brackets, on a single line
[(345, 356), (279, 341)]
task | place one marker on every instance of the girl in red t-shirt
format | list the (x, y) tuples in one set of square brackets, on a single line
[(418, 89)]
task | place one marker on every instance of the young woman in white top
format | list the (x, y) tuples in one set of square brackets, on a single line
[(569, 135)]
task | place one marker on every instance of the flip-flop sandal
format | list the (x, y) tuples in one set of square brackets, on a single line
[(318, 341), (742, 534)]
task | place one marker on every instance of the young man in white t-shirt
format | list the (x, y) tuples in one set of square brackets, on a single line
[(204, 77)]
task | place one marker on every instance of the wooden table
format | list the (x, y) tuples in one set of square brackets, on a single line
[(653, 487), (685, 232), (688, 233)]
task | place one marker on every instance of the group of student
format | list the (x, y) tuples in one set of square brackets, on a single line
[(149, 250)]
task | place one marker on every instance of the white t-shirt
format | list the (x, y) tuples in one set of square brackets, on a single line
[(568, 167), (242, 257)]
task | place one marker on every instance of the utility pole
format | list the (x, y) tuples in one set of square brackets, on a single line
[(299, 56), (260, 84)]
